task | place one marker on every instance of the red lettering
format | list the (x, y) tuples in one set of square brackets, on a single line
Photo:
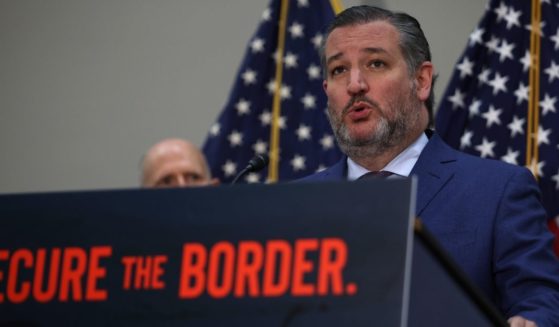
[(3, 256), (309, 267), (128, 263), (156, 282), (12, 292), (247, 270), (95, 272), (221, 251), (301, 266), (40, 268), (332, 261), (73, 268), (278, 258), (141, 279), (192, 278)]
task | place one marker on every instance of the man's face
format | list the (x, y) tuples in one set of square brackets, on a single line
[(174, 164), (371, 96)]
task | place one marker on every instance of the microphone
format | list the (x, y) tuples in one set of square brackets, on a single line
[(258, 162)]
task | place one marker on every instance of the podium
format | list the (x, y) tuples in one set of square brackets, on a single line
[(326, 254)]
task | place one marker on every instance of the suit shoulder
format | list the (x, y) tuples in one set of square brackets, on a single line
[(492, 166)]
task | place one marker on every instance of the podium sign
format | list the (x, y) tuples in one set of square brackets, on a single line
[(325, 254)]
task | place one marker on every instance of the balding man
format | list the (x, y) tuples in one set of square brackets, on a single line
[(175, 163)]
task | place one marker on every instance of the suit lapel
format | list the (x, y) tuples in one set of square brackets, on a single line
[(434, 169), (336, 172)]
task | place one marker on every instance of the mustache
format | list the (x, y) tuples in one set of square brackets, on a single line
[(359, 98)]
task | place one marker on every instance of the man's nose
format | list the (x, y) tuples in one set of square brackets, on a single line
[(180, 181), (357, 83)]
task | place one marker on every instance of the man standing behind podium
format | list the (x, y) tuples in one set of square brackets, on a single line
[(379, 78), (175, 163)]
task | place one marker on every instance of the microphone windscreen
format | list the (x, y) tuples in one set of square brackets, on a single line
[(258, 162)]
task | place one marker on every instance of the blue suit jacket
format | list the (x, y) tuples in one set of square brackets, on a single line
[(487, 214)]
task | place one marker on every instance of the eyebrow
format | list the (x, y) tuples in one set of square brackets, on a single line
[(366, 50)]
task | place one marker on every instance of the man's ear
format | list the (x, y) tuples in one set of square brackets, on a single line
[(424, 80), (325, 85)]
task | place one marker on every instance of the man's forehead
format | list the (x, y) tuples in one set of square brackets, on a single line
[(379, 31)]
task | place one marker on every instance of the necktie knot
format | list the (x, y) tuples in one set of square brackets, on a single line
[(375, 175)]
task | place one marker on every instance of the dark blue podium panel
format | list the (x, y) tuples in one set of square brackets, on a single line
[(276, 255)]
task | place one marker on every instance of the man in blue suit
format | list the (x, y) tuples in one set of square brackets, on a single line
[(379, 78)]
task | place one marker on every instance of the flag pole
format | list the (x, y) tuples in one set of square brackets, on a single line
[(532, 152), (336, 6), (276, 109)]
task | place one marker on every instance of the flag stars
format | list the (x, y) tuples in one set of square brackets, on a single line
[(555, 178), (521, 93), (526, 61), (465, 67), (271, 86), (555, 38), (499, 83), (303, 132), (466, 139), (229, 168), (505, 50), (296, 30), (235, 138), (243, 107), (313, 71), (492, 44), (257, 45), (317, 40), (536, 167), (249, 77), (267, 14), (492, 116), (327, 142), (511, 157), (276, 55), (474, 108), (265, 118), (512, 18), (457, 99), (298, 162), (543, 135), (215, 129), (552, 71), (501, 11), (476, 36), (516, 126), (302, 3), (260, 147), (252, 178), (540, 28), (308, 101), (290, 60), (285, 92), (548, 104), (282, 122), (483, 78), (485, 148)]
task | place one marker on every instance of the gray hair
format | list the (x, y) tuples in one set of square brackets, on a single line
[(413, 44)]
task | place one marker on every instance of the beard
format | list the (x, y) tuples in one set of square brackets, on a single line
[(388, 132)]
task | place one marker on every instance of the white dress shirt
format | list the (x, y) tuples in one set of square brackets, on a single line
[(400, 166)]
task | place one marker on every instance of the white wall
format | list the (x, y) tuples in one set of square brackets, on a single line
[(86, 86)]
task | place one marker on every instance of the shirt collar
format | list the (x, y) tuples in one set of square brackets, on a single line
[(401, 165)]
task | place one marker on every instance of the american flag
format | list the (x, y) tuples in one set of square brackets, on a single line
[(500, 104), (277, 104)]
